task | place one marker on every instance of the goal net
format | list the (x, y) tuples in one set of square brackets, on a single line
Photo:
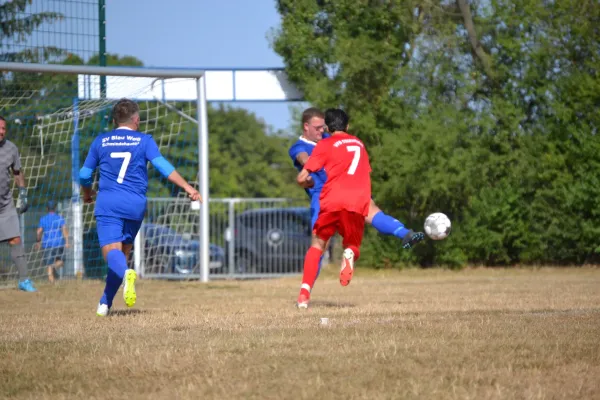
[(53, 118)]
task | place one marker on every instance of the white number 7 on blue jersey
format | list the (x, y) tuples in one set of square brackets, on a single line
[(126, 156)]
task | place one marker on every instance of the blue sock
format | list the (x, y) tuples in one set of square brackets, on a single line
[(117, 265), (389, 225)]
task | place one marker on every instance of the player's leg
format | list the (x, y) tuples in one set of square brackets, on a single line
[(127, 247), (315, 208), (49, 263), (59, 253), (17, 254), (389, 225), (10, 231), (325, 228), (130, 231), (384, 223), (110, 236), (352, 226)]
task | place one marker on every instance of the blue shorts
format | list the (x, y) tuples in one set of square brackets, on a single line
[(116, 230), (53, 254)]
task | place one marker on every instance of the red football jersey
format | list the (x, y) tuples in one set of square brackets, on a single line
[(346, 163)]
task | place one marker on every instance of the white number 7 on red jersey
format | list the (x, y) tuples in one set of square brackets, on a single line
[(355, 159)]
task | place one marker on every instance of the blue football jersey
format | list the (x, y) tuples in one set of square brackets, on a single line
[(51, 225), (122, 157), (303, 145)]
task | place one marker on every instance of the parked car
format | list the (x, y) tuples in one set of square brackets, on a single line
[(168, 252), (270, 240)]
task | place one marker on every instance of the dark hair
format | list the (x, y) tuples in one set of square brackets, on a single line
[(310, 113), (124, 110), (2, 118), (336, 120)]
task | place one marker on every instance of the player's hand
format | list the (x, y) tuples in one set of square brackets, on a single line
[(89, 197), (309, 182), (194, 195), (303, 178), (36, 246), (22, 205)]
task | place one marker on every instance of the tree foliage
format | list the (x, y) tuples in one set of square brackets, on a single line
[(484, 110)]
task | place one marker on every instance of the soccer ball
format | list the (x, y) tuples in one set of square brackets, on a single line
[(438, 226)]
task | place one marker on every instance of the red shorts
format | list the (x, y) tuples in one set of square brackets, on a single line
[(349, 224)]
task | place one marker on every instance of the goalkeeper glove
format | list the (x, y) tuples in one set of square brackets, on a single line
[(22, 205)]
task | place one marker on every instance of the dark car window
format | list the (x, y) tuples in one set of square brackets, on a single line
[(261, 220), (295, 223)]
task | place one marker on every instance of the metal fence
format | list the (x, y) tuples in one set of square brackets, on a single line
[(54, 31), (249, 238)]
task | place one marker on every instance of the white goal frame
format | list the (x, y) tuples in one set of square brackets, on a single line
[(200, 85)]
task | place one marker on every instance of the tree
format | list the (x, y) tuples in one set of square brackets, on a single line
[(481, 109), (245, 161)]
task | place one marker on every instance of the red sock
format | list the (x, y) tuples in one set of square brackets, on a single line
[(311, 269)]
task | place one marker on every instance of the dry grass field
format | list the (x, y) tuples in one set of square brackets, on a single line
[(474, 334)]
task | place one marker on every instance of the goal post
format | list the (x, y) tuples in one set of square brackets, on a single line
[(52, 112)]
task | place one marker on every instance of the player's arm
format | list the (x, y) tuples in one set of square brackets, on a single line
[(167, 170), (86, 172), (312, 164), (20, 179), (302, 158), (303, 177), (177, 179), (88, 193), (22, 204)]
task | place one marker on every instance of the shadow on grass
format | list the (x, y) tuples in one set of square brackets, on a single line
[(126, 312), (330, 304)]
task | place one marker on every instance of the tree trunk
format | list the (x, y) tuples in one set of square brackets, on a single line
[(485, 58)]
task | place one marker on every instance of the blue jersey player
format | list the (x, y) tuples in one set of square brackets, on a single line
[(122, 156), (313, 130)]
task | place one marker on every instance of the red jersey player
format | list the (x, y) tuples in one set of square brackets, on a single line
[(345, 198)]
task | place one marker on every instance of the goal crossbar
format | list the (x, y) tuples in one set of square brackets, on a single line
[(95, 70)]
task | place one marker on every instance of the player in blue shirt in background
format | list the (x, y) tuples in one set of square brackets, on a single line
[(122, 156), (313, 130), (53, 236)]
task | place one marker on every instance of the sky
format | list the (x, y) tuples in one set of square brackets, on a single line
[(200, 34)]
